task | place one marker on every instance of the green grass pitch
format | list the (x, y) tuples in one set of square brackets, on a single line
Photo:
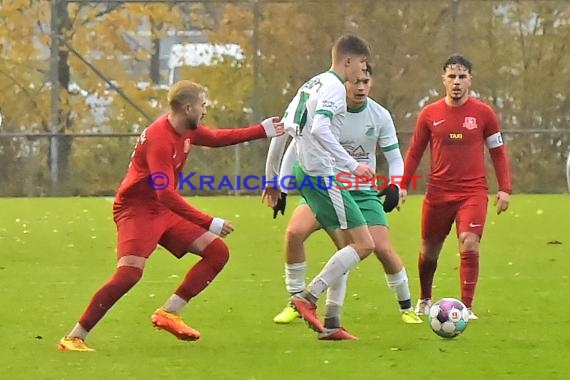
[(55, 252)]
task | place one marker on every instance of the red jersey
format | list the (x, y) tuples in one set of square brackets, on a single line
[(161, 149), (457, 138)]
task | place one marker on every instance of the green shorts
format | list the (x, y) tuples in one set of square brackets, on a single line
[(333, 208), (370, 206)]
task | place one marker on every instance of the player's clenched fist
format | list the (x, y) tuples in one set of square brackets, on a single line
[(363, 170)]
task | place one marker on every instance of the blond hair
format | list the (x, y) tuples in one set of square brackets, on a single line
[(184, 92)]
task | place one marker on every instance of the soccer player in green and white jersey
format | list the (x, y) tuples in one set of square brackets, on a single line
[(366, 126), (315, 116)]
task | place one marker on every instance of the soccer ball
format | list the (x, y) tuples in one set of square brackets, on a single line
[(448, 317)]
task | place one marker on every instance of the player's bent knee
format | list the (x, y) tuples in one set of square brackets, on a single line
[(296, 235), (431, 250), (469, 241), (131, 261), (217, 254), (470, 245), (382, 251), (364, 248)]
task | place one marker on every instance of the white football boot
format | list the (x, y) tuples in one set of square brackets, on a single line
[(422, 307), (472, 315)]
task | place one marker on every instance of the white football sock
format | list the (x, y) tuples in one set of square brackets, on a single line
[(336, 294), (295, 277), (174, 304), (339, 264), (399, 283), (78, 332)]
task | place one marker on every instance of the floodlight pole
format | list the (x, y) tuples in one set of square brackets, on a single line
[(54, 111)]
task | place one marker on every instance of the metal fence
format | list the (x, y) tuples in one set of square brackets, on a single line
[(74, 104), (97, 163)]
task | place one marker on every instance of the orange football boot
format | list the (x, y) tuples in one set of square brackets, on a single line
[(336, 334), (174, 324), (308, 311), (67, 344)]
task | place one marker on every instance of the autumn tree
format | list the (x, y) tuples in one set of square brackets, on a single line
[(519, 50)]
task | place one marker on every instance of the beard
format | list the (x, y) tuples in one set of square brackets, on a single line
[(192, 123), (456, 95)]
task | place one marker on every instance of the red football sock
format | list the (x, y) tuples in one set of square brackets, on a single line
[(122, 281), (214, 258), (468, 274), (426, 268)]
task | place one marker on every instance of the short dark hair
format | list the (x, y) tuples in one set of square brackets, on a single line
[(368, 68), (457, 59), (350, 44)]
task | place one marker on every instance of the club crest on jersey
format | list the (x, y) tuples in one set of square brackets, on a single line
[(470, 122), (369, 130), (187, 146)]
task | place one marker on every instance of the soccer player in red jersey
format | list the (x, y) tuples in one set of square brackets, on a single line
[(149, 211), (457, 128)]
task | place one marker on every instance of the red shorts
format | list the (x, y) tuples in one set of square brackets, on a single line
[(468, 212), (140, 231)]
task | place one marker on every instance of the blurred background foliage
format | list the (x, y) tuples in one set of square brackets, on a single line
[(519, 50)]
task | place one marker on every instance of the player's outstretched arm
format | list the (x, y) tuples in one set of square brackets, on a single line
[(204, 136), (159, 160)]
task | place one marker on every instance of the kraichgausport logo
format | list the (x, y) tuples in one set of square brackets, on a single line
[(341, 181)]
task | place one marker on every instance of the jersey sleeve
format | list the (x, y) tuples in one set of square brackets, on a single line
[(289, 116), (322, 132), (492, 122), (395, 165), (331, 100), (286, 171), (274, 156), (497, 151), (158, 155), (388, 140), (204, 136), (416, 150)]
